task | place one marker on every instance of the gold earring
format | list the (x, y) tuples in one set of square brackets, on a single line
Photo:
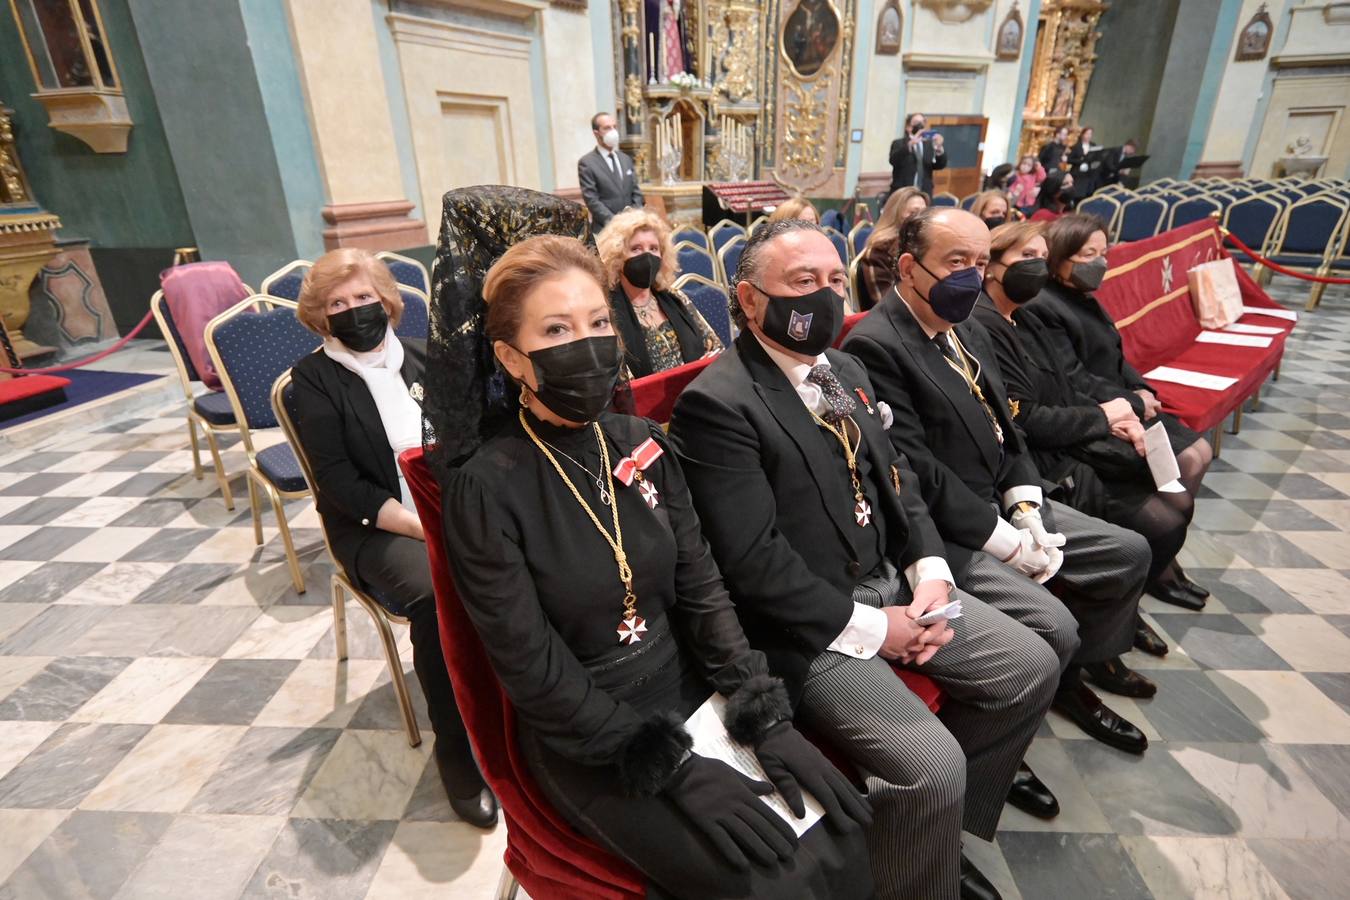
[(524, 395)]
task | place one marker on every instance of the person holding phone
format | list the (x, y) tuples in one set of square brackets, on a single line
[(916, 155)]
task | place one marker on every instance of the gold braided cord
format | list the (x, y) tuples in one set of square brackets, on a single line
[(615, 542), (850, 457)]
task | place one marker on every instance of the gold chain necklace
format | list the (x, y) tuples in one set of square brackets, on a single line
[(631, 626), (862, 510)]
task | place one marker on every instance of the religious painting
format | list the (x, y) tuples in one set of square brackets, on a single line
[(1009, 44), (890, 25), (1254, 41), (810, 36)]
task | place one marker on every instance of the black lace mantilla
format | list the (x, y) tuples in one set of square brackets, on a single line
[(467, 395)]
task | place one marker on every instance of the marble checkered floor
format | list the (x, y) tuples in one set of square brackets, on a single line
[(173, 721)]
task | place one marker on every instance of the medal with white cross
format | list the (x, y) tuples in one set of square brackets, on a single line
[(862, 512), (649, 493), (631, 629)]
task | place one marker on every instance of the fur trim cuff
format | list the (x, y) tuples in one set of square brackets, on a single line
[(760, 703), (653, 754)]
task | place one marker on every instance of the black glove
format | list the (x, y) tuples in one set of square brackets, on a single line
[(792, 763), (725, 804)]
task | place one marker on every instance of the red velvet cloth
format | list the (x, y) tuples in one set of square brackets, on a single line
[(849, 322), (549, 859), (1145, 293), (24, 386)]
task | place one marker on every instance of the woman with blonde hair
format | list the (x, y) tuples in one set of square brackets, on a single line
[(659, 327), (876, 263), (992, 207), (358, 405), (797, 207)]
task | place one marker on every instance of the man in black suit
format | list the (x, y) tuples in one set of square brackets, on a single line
[(914, 159), (938, 373), (609, 184), (1053, 153), (831, 557)]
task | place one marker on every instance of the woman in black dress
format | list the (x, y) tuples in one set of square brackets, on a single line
[(1091, 448), (579, 559), (1077, 327)]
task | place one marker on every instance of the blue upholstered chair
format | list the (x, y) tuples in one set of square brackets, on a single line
[(1192, 209), (286, 281), (696, 259), (250, 351), (688, 234), (406, 270), (1141, 217), (712, 302), (945, 199), (210, 411), (1254, 219), (415, 322), (968, 201), (840, 244), (724, 231), (728, 258), (1104, 207), (1309, 237), (382, 614), (857, 238), (832, 218)]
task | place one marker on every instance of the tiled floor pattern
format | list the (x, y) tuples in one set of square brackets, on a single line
[(173, 721)]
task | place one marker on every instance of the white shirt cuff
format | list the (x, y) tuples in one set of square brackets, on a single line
[(864, 634), (929, 568), (1004, 542), (1015, 495)]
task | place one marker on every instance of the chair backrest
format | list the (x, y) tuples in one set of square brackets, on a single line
[(832, 218), (945, 199), (840, 245), (406, 270), (251, 350), (968, 201), (548, 857), (696, 259), (728, 258), (1311, 226), (187, 373), (1192, 210), (857, 238), (849, 322), (415, 322), (1253, 220), (282, 401), (1105, 208), (723, 231), (1141, 218), (688, 234), (712, 302), (286, 281), (654, 395)]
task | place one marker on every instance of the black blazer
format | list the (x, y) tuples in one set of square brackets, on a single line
[(939, 425), (903, 163), (340, 429), (1077, 326), (1052, 156), (776, 504)]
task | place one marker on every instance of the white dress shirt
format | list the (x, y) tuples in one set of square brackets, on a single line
[(866, 629)]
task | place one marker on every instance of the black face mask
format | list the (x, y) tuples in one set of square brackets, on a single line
[(641, 270), (1024, 279), (805, 324), (360, 328), (577, 379), (995, 221)]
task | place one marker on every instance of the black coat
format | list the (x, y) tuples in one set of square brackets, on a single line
[(1052, 155), (340, 429), (939, 425), (773, 493), (903, 165)]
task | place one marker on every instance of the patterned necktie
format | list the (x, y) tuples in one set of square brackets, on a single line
[(840, 404)]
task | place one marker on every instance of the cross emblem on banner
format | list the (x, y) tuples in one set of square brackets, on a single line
[(1167, 274)]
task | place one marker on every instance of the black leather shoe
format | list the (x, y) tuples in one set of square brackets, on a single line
[(478, 807), (974, 886), (1148, 640), (1190, 586), (1175, 594), (1118, 678), (1029, 794), (479, 810), (1087, 711)]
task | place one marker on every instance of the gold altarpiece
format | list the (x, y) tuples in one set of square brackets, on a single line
[(1065, 55), (775, 69)]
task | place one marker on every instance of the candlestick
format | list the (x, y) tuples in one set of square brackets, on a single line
[(651, 57)]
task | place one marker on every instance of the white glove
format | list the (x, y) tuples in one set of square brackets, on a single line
[(1056, 560), (1031, 520), (1029, 559)]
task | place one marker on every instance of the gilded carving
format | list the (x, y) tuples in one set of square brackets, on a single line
[(632, 97), (631, 33), (806, 117), (1061, 70), (12, 188)]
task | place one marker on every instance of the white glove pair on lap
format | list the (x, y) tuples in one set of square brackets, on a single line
[(1039, 556)]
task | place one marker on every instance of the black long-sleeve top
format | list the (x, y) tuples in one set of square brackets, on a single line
[(542, 587)]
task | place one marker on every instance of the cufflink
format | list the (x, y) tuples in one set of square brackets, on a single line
[(861, 650)]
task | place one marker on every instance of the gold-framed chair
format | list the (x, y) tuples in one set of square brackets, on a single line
[(250, 350), (722, 231), (210, 411), (407, 271), (728, 258), (342, 585), (285, 282), (690, 257), (712, 300)]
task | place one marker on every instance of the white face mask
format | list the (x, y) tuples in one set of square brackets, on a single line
[(611, 138)]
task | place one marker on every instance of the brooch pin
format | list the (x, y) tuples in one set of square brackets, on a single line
[(415, 391), (862, 395), (631, 467), (1015, 406)]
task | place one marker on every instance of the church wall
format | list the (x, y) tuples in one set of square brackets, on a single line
[(571, 90), (1131, 57), (1004, 90), (1241, 85)]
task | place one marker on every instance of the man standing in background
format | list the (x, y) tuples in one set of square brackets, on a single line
[(609, 184), (914, 159)]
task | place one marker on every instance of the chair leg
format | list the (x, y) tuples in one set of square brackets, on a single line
[(1315, 297), (196, 450), (1256, 399), (253, 505), (1237, 419), (400, 683), (279, 508), (221, 475), (1217, 441), (339, 619), (507, 886)]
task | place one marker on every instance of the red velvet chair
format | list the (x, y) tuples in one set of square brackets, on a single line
[(543, 853)]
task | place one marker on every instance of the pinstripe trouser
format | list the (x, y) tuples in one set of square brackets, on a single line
[(928, 776)]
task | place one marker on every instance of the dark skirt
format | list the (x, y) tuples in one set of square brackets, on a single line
[(651, 833), (1180, 436)]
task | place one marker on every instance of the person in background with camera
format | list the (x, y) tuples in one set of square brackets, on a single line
[(914, 157)]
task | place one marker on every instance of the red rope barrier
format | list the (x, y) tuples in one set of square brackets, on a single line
[(66, 367), (1320, 279)]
